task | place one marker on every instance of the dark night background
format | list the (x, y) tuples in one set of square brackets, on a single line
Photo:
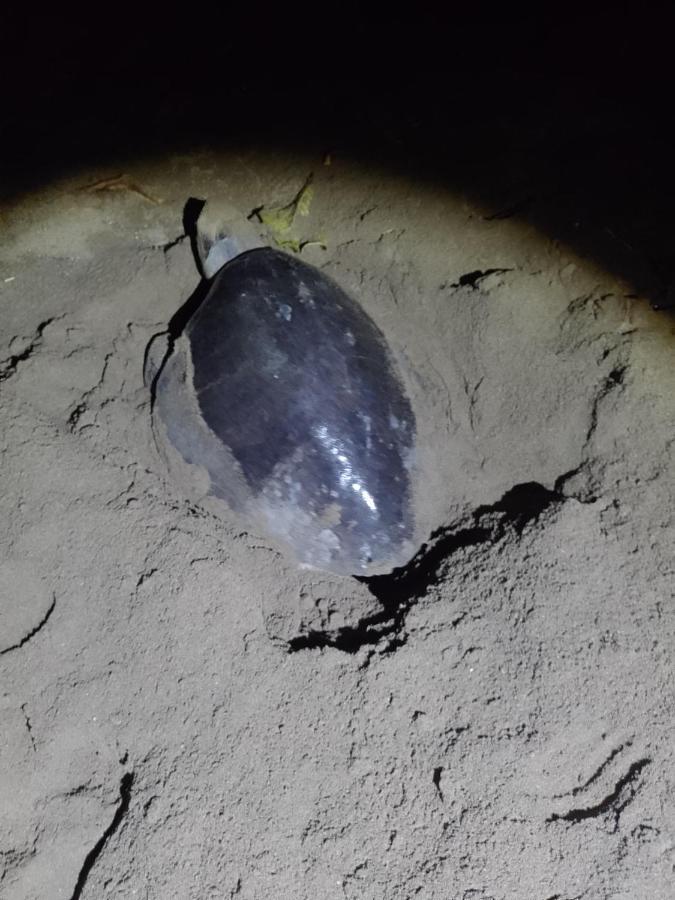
[(563, 118)]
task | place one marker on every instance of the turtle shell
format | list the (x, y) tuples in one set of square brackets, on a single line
[(283, 391)]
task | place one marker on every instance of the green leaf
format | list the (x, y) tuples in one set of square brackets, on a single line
[(279, 219)]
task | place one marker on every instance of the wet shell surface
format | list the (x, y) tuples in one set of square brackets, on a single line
[(283, 393)]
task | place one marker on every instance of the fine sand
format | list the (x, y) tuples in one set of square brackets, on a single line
[(186, 714)]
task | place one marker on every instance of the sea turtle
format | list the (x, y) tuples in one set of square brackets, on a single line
[(282, 399)]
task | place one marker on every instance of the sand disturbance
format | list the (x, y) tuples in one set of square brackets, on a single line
[(187, 714)]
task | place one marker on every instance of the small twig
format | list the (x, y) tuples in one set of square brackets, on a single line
[(119, 183)]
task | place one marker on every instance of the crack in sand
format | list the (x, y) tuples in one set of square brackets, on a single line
[(613, 381), (24, 640), (598, 772), (81, 407), (400, 590), (10, 365), (473, 279), (96, 850), (615, 802), (29, 727)]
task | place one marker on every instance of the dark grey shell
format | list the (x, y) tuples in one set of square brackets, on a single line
[(282, 389)]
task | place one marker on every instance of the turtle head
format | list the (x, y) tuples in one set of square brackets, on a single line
[(222, 232)]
